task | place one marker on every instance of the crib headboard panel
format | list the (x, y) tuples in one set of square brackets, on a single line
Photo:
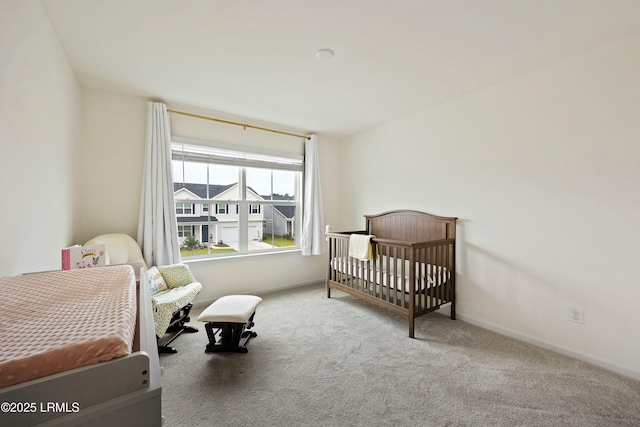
[(410, 226)]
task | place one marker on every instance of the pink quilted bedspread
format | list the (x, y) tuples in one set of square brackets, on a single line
[(56, 321)]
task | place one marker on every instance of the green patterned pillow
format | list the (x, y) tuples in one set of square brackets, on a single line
[(176, 275)]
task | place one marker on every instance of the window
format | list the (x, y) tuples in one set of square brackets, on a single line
[(254, 199), (184, 208), (185, 230), (221, 208)]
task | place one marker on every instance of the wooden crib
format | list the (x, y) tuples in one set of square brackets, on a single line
[(412, 270)]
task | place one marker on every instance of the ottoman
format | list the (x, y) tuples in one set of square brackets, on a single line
[(228, 322)]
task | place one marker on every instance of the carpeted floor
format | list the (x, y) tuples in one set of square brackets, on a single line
[(342, 362)]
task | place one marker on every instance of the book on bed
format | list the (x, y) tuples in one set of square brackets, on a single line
[(78, 256)]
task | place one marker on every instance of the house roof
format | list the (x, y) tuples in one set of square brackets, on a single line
[(277, 197), (200, 190), (198, 219), (287, 211)]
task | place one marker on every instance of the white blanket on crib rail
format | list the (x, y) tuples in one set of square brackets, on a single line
[(360, 246)]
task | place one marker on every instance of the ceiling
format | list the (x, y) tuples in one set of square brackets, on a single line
[(257, 58)]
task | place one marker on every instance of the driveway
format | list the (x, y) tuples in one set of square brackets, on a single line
[(253, 245)]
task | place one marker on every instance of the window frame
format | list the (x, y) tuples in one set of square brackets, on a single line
[(183, 226), (222, 208), (246, 208), (183, 205)]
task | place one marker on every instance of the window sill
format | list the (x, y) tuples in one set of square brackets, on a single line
[(245, 255)]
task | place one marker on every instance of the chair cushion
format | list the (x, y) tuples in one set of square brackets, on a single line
[(176, 275), (231, 309), (165, 303)]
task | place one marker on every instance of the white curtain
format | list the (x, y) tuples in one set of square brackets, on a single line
[(313, 239), (157, 230)]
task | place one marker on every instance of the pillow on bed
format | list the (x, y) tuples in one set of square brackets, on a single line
[(156, 281), (177, 275)]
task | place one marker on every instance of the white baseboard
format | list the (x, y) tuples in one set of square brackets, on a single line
[(605, 364), (262, 292), (446, 310)]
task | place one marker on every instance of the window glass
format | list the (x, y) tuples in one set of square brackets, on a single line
[(184, 208)]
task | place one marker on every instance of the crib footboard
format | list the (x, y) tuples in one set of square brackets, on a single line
[(407, 278)]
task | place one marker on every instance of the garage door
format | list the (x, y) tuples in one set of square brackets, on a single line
[(230, 234)]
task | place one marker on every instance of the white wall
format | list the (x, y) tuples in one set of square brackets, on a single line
[(111, 164), (543, 172), (40, 110), (113, 155)]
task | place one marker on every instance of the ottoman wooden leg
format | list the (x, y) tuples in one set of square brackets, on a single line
[(229, 337)]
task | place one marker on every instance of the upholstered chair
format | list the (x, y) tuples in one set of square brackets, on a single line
[(120, 248)]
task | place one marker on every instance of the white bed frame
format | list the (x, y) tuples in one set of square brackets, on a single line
[(121, 392)]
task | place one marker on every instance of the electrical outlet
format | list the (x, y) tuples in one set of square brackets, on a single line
[(576, 314)]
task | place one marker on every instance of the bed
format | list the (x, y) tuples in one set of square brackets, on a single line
[(78, 347), (409, 267)]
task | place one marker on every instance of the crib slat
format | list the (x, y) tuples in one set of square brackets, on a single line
[(446, 277), (417, 265), (436, 286), (399, 277), (440, 293), (424, 282), (386, 273), (401, 286), (373, 272), (393, 286), (343, 262), (443, 272), (407, 280), (431, 283)]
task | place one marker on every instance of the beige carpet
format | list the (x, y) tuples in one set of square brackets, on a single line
[(342, 362)]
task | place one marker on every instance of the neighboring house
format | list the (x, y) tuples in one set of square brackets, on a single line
[(279, 218), (217, 221)]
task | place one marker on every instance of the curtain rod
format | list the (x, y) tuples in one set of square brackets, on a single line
[(238, 124)]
